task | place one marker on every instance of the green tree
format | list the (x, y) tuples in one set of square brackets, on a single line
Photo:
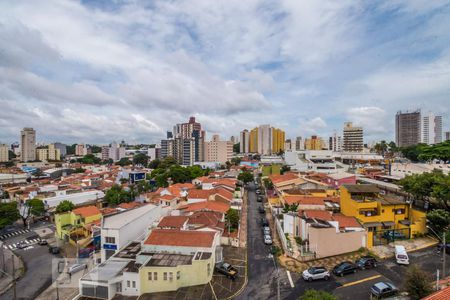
[(268, 183), (64, 206), (290, 208), (154, 164), (236, 161), (90, 159), (37, 207), (245, 176), (418, 283), (167, 162), (232, 218), (441, 190), (11, 155), (317, 295), (8, 214), (124, 161), (284, 169), (96, 149), (237, 148), (80, 170), (140, 159), (116, 195), (438, 219)]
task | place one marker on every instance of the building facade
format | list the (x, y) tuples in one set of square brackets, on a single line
[(314, 143), (299, 144), (407, 128), (431, 129), (353, 140), (218, 151), (265, 140), (4, 153), (244, 146), (28, 144), (335, 143)]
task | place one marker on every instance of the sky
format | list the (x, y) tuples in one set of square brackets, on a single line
[(102, 71)]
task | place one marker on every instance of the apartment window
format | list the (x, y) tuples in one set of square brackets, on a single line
[(149, 275), (165, 276), (119, 287), (178, 275), (170, 276), (398, 211), (208, 269), (155, 276), (128, 283), (134, 284), (110, 240)]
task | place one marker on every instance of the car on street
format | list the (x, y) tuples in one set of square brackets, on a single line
[(227, 270), (345, 267), (264, 222), (383, 289), (53, 250), (315, 273), (441, 247), (259, 199), (267, 239), (266, 230), (258, 191), (76, 268), (393, 235), (261, 210), (22, 245), (43, 242), (366, 262)]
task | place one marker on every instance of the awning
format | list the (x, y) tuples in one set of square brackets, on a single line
[(372, 224), (405, 222), (388, 224)]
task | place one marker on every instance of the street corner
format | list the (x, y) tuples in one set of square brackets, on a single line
[(357, 287), (224, 287)]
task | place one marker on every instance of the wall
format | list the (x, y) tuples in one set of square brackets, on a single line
[(61, 220), (329, 243)]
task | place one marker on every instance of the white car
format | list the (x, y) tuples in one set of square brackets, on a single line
[(315, 273), (267, 239), (76, 268), (266, 230)]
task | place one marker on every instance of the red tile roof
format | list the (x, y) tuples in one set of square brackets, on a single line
[(206, 206), (210, 219), (130, 205), (224, 193), (285, 177), (173, 221), (345, 221), (318, 214), (86, 211), (199, 194), (308, 200), (443, 294), (181, 238), (108, 211)]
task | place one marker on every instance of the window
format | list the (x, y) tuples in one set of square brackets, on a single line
[(165, 276), (128, 283), (149, 275), (155, 276), (398, 211), (119, 287), (110, 240), (208, 268), (170, 276), (134, 284), (178, 275)]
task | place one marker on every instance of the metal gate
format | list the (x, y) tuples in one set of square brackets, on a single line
[(386, 236)]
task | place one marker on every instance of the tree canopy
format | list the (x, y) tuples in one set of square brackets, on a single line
[(116, 195), (140, 159), (124, 161), (438, 219), (424, 152), (418, 283), (8, 214), (317, 295), (246, 176), (90, 159), (37, 207), (232, 218), (167, 168), (64, 206)]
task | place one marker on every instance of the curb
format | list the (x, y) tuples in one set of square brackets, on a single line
[(413, 250)]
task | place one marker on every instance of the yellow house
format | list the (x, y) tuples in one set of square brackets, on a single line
[(385, 217), (75, 225)]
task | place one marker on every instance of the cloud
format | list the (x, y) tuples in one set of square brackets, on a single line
[(374, 120)]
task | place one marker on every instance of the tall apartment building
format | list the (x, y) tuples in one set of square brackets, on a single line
[(42, 154), (80, 150), (167, 147), (288, 145), (265, 140), (335, 143), (48, 153), (353, 138), (431, 129), (218, 151), (28, 144), (314, 143), (4, 153), (53, 152), (447, 136), (244, 146), (253, 141), (407, 128), (62, 148), (116, 151), (278, 140), (299, 143)]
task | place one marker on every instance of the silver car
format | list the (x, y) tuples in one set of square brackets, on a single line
[(315, 273), (267, 239), (266, 230), (76, 268)]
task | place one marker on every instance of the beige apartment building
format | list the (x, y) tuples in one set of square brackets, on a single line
[(48, 153), (218, 151), (4, 157), (353, 138), (28, 144)]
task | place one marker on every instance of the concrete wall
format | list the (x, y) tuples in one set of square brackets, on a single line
[(329, 243)]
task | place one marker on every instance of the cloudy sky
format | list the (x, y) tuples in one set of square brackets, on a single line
[(97, 71)]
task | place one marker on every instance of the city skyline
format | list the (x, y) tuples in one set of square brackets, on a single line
[(96, 72)]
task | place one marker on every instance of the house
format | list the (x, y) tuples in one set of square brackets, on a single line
[(381, 214), (173, 222), (74, 226), (216, 206), (309, 202), (338, 179)]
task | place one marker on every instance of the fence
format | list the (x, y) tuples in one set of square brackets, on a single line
[(282, 236)]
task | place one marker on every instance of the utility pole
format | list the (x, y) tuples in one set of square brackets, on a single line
[(14, 278), (443, 253)]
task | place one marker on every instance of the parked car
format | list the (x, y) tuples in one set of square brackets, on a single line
[(76, 268), (393, 235), (267, 239), (227, 270), (264, 222), (315, 273), (261, 210), (258, 191), (43, 242), (440, 247), (266, 230), (53, 250), (366, 262), (259, 199), (22, 245), (383, 289), (401, 256), (345, 267)]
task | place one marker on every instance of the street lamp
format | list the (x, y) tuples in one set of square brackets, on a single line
[(444, 246)]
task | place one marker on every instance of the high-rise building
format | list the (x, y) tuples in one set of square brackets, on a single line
[(278, 140), (105, 153), (335, 143), (314, 143), (53, 153), (353, 138), (80, 150), (431, 129), (167, 147), (4, 153), (28, 144), (447, 136), (218, 151), (42, 154), (407, 128), (264, 140), (253, 140), (244, 146), (62, 148), (116, 151), (299, 143), (288, 145)]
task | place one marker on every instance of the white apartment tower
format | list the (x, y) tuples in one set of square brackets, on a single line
[(28, 144), (4, 155), (264, 140), (431, 129), (353, 138), (245, 141), (299, 143), (335, 143)]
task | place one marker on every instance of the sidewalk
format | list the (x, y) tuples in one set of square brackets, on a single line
[(386, 251), (243, 221), (6, 281)]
